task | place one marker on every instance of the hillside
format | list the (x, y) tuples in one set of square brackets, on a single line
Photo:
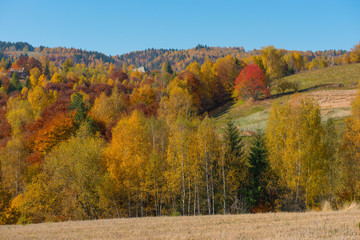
[(333, 88), (347, 75), (310, 225), (151, 59)]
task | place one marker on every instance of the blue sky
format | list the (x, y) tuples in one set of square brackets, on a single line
[(116, 27)]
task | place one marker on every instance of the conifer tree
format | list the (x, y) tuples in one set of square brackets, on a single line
[(166, 68), (233, 168), (14, 83), (78, 105), (257, 168)]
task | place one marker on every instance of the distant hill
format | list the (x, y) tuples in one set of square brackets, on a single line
[(57, 54), (153, 59), (150, 59)]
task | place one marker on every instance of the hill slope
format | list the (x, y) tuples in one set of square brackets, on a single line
[(333, 88), (348, 75)]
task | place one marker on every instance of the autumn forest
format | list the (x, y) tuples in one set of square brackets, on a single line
[(84, 135)]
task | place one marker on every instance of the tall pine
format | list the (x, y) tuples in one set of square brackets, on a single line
[(257, 169), (234, 169)]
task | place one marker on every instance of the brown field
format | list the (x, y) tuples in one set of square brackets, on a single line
[(334, 98), (310, 225)]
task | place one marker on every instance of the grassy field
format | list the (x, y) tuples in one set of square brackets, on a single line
[(310, 225), (18, 53), (321, 85), (348, 75)]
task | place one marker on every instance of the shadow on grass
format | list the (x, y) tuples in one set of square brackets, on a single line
[(222, 109), (278, 95)]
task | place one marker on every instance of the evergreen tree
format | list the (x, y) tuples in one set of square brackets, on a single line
[(258, 166), (47, 71), (234, 170), (233, 140), (78, 105), (27, 83), (166, 68), (14, 83)]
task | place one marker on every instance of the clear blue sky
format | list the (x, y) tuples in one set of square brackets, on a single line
[(116, 27)]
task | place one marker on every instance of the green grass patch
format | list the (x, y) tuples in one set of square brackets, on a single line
[(18, 53), (340, 127), (237, 111), (253, 122), (348, 75)]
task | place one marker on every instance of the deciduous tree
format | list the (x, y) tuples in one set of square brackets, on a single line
[(355, 54), (251, 82), (68, 189), (294, 142), (350, 155)]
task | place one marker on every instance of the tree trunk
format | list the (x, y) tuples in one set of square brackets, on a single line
[(212, 192), (224, 187), (207, 185)]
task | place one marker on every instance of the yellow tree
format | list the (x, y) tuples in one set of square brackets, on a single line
[(56, 78), (34, 76), (180, 175), (178, 103), (209, 79), (143, 94), (128, 156), (42, 81), (13, 165), (294, 141), (206, 154), (19, 112), (107, 108), (194, 67), (69, 186), (295, 61), (355, 54), (13, 154), (350, 150), (274, 63), (39, 99), (155, 181), (318, 63)]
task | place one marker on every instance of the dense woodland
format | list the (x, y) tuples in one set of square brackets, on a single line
[(87, 136), (153, 59)]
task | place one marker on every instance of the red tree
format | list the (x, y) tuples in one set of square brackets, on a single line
[(251, 82)]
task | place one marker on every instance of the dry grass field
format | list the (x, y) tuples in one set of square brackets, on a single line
[(310, 225)]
